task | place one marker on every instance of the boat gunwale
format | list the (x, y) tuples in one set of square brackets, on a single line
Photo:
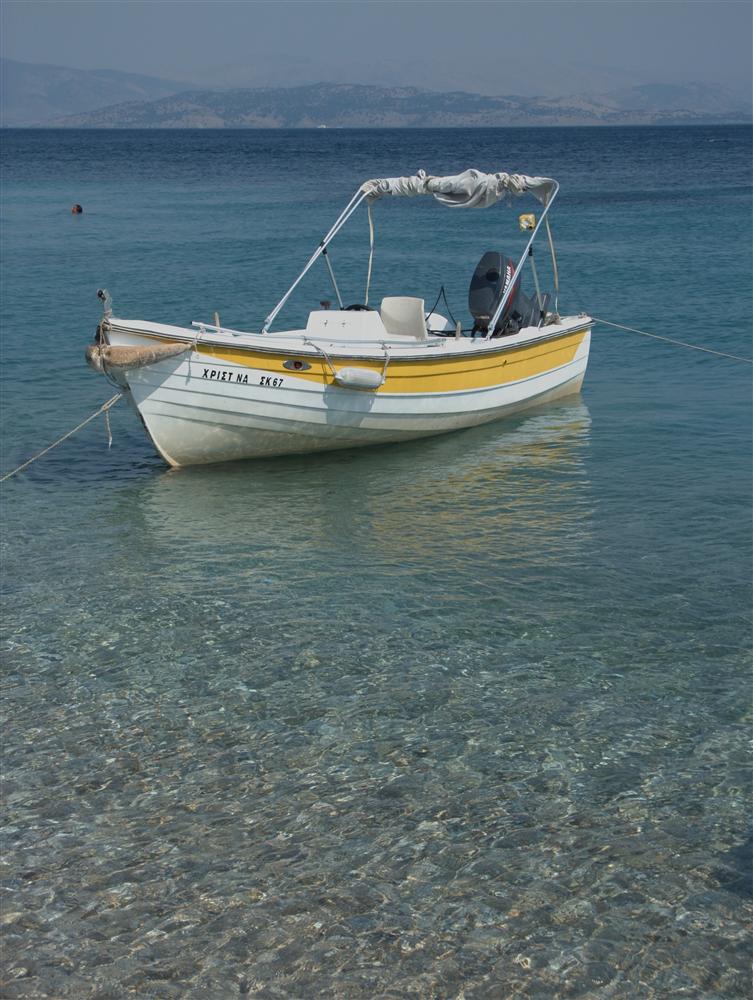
[(486, 348)]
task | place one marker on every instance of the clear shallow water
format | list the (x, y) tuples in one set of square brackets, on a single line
[(463, 717)]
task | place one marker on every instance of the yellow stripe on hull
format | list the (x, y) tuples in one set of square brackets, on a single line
[(440, 374)]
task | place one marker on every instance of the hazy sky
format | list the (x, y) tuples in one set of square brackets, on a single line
[(495, 47)]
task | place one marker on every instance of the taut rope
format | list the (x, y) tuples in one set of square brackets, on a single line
[(105, 407), (102, 409), (677, 343)]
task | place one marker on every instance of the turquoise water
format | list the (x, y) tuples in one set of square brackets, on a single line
[(456, 718)]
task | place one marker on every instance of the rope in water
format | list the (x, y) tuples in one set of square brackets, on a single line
[(102, 409), (678, 343)]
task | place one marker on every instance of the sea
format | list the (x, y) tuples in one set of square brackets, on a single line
[(457, 719)]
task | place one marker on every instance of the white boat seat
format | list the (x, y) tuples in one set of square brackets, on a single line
[(403, 316)]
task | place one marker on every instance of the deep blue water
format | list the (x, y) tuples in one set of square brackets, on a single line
[(457, 718)]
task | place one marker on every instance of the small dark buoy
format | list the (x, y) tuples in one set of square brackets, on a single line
[(77, 210)]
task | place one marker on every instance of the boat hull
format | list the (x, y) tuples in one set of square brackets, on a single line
[(202, 408)]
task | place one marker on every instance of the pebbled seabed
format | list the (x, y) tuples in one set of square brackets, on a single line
[(464, 718)]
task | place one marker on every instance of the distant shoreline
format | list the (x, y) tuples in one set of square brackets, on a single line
[(56, 97), (371, 128)]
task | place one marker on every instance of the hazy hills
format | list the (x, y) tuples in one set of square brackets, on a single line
[(354, 106), (65, 98), (33, 94)]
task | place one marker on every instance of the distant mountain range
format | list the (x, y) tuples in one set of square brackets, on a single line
[(62, 98), (32, 94)]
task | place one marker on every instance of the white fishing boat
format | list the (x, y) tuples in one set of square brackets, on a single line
[(357, 375)]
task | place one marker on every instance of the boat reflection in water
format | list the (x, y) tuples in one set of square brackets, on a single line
[(491, 499)]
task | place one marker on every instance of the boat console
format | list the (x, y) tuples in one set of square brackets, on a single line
[(400, 318)]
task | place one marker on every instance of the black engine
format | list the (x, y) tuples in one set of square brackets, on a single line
[(488, 285)]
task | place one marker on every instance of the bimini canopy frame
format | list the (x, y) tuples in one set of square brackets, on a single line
[(471, 189)]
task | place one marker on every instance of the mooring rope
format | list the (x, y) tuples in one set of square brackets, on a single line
[(105, 407), (323, 353), (102, 409), (677, 343)]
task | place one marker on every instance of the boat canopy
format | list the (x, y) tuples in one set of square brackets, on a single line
[(471, 189)]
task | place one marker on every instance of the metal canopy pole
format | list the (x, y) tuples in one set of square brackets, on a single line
[(519, 268), (554, 268), (536, 285), (331, 270), (349, 209)]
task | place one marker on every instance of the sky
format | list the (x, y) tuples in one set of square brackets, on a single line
[(496, 47)]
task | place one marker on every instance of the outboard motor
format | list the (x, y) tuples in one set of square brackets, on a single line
[(488, 285)]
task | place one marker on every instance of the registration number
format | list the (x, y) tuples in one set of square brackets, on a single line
[(225, 375)]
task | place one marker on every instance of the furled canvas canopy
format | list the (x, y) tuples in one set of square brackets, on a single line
[(471, 189)]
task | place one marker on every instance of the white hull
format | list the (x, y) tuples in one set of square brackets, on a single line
[(198, 409)]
